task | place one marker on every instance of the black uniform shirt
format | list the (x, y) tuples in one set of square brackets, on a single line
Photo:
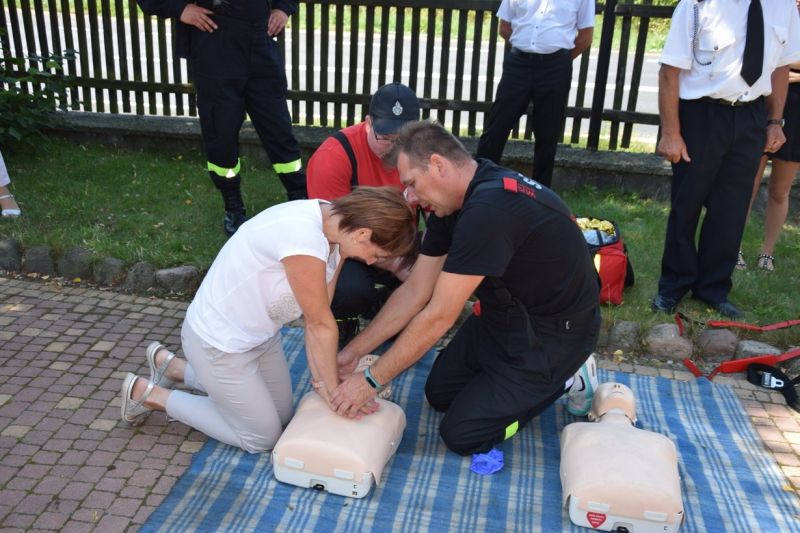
[(254, 12), (539, 254)]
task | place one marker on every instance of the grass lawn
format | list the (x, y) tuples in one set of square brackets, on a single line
[(160, 207), (153, 205)]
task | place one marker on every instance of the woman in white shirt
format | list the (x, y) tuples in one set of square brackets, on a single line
[(279, 265)]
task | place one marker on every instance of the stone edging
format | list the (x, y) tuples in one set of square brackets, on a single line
[(79, 265), (663, 341)]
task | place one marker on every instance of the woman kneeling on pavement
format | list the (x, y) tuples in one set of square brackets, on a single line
[(279, 265)]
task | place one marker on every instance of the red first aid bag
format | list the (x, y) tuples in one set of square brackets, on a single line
[(610, 257)]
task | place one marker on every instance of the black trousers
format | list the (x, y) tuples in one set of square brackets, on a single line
[(356, 291), (493, 378), (725, 144), (239, 70), (543, 79)]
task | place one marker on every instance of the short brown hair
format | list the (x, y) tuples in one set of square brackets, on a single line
[(382, 210), (420, 140)]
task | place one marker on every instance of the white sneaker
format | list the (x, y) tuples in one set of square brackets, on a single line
[(579, 397)]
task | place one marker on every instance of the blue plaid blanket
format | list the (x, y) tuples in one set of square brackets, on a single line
[(729, 482)]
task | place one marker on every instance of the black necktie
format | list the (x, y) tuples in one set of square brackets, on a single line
[(753, 58)]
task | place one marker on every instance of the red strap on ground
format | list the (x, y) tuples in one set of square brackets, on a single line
[(740, 365), (680, 317), (679, 321), (752, 327), (688, 363)]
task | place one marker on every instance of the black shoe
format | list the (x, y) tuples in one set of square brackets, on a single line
[(727, 309), (348, 329), (232, 221), (664, 304)]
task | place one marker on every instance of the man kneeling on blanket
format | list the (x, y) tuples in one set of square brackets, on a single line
[(524, 257)]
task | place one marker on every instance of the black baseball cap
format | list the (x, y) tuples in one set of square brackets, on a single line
[(391, 107)]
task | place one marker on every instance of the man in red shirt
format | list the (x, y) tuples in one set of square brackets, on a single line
[(330, 172), (349, 158)]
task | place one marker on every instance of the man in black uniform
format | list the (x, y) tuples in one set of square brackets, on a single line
[(513, 243), (237, 68)]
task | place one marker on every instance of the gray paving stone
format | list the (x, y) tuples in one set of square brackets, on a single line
[(99, 500), (76, 490), (21, 483), (125, 507), (73, 526), (50, 520), (112, 523), (34, 504), (51, 485), (18, 520)]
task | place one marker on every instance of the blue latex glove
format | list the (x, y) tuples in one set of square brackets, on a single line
[(487, 463)]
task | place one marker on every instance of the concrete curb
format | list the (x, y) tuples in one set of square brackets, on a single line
[(646, 174)]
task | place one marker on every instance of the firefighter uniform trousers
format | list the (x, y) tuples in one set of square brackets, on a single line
[(501, 370), (239, 69)]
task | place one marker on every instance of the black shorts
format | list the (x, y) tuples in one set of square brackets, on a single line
[(790, 151)]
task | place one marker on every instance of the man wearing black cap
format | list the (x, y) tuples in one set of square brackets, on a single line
[(352, 157)]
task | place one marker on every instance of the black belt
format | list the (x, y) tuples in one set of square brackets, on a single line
[(557, 53), (729, 103)]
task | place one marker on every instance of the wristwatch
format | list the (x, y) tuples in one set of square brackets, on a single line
[(776, 121), (372, 381)]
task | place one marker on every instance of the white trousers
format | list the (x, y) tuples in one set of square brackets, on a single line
[(249, 394), (4, 178)]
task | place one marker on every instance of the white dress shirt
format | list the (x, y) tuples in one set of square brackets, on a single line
[(711, 60), (546, 26)]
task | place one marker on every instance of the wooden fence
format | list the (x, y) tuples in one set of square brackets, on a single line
[(337, 53)]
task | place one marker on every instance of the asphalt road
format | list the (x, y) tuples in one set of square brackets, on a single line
[(647, 97)]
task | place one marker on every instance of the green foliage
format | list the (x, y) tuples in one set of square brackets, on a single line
[(31, 89)]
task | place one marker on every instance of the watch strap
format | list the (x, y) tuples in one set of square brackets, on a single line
[(371, 380), (776, 121)]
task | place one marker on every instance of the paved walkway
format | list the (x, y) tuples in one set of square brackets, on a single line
[(66, 461)]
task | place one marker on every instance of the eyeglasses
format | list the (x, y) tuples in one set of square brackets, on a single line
[(384, 138)]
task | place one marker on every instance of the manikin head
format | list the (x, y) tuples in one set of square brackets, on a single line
[(613, 401)]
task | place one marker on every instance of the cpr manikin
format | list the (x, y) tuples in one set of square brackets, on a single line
[(615, 477), (322, 450)]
